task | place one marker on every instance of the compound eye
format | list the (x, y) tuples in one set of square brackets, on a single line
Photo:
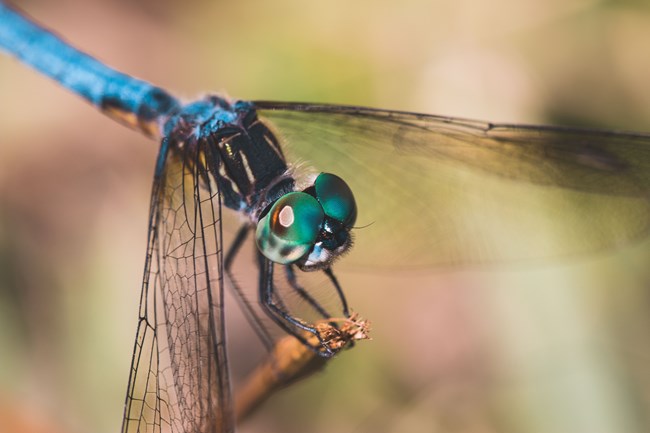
[(336, 198), (291, 227)]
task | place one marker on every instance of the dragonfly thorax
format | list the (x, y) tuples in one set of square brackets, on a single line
[(309, 228)]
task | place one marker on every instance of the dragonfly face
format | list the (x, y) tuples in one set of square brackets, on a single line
[(309, 228)]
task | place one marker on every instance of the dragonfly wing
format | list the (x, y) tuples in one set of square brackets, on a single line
[(446, 191), (179, 376)]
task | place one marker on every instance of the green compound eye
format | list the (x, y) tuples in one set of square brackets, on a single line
[(289, 230), (336, 198)]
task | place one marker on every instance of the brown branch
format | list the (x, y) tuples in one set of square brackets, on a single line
[(291, 361)]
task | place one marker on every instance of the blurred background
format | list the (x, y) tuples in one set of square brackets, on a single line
[(557, 347)]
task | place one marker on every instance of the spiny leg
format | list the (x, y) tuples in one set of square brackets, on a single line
[(339, 291), (293, 282)]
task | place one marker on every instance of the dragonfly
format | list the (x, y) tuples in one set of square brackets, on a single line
[(428, 190)]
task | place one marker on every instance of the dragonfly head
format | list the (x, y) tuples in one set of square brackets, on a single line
[(309, 228)]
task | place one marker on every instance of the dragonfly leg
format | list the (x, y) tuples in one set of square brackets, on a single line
[(280, 316), (252, 317), (293, 282), (339, 290)]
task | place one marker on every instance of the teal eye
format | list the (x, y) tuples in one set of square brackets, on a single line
[(336, 198), (291, 227)]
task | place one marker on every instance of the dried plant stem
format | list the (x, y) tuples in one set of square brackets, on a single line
[(291, 361)]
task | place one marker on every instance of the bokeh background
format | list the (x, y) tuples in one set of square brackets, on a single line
[(557, 347)]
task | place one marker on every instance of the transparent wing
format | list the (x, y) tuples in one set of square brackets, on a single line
[(443, 191), (179, 375)]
